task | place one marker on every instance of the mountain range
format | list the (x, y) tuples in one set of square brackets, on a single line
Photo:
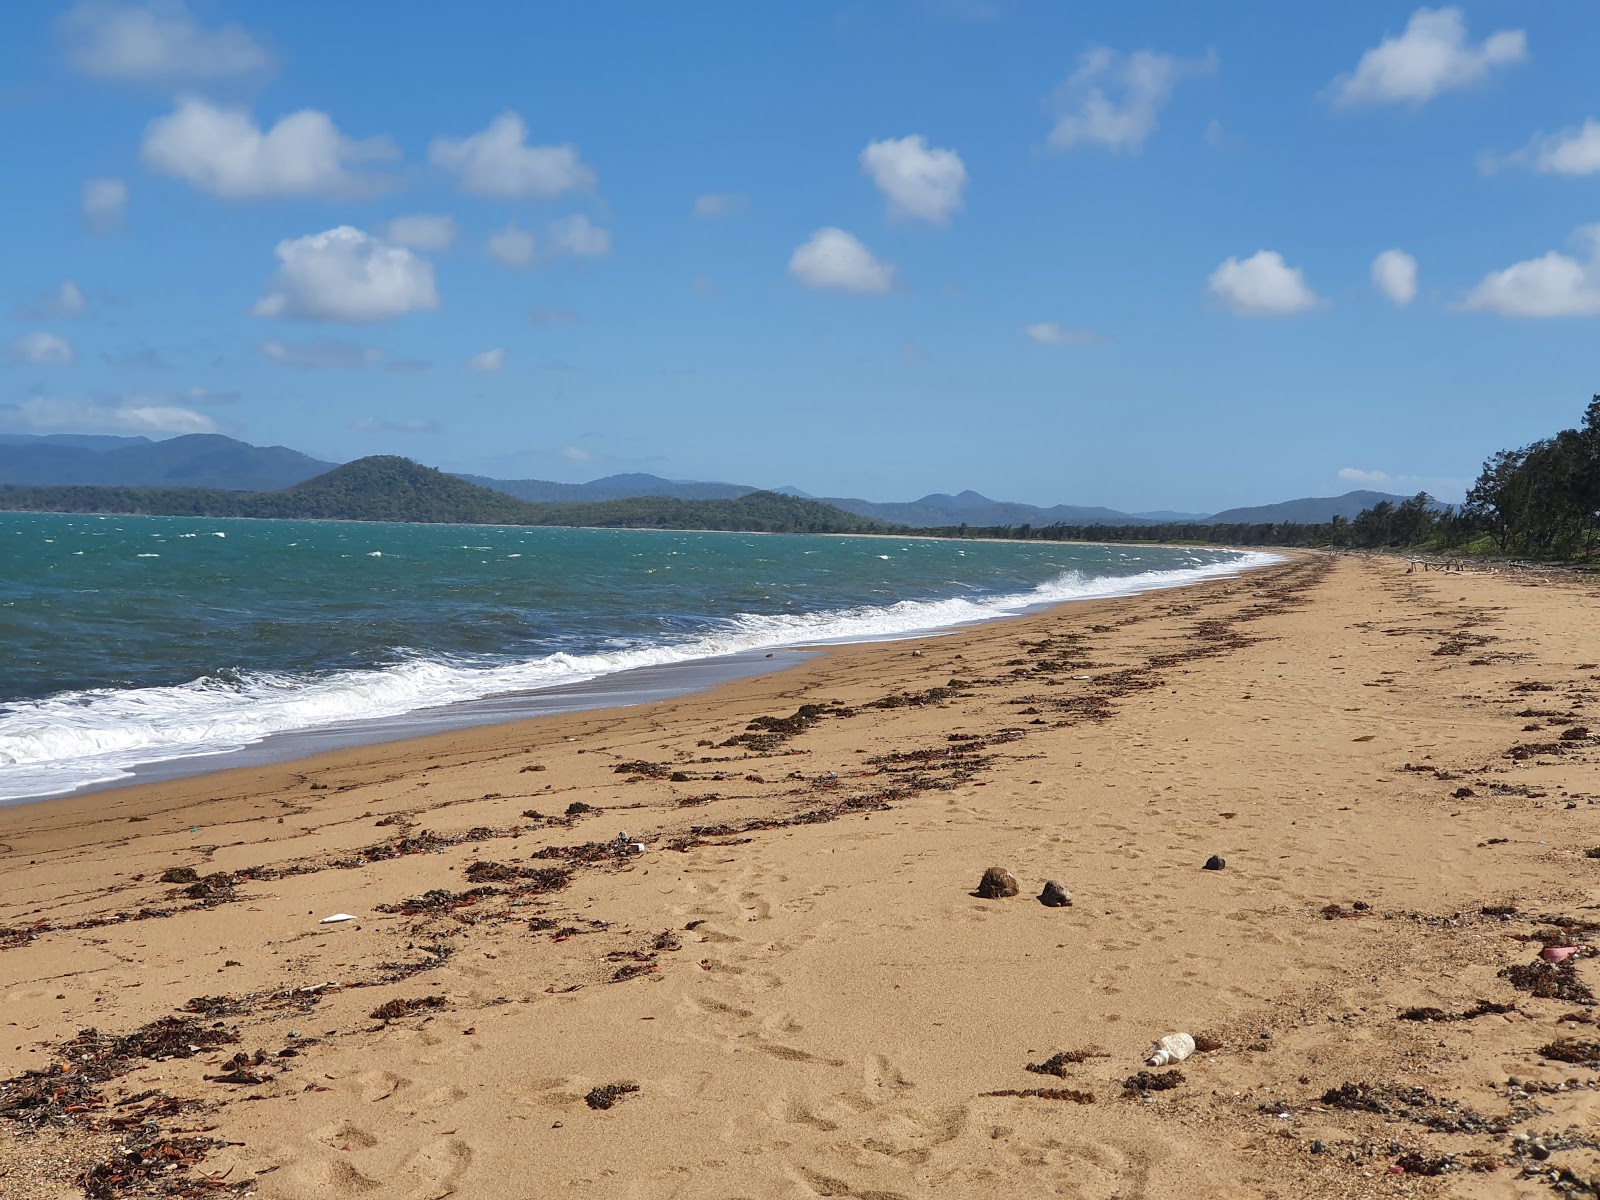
[(216, 462)]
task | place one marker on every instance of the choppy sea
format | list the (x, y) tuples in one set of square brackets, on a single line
[(129, 644)]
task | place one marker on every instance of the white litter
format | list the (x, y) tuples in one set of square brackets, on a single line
[(336, 918)]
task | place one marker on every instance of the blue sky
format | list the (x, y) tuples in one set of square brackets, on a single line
[(1112, 254)]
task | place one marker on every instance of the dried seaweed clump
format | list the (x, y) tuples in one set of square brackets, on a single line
[(1146, 1082), (405, 1006), (1057, 1064), (608, 1094), (1549, 981), (1069, 1094)]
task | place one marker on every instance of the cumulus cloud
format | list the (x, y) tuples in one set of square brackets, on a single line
[(1554, 285), (157, 42), (553, 316), (511, 247), (321, 353), (1114, 99), (223, 151), (41, 349), (919, 181), (103, 414), (1394, 273), (103, 202), (65, 301), (385, 425), (1262, 285), (577, 236), (1569, 152), (345, 274), (489, 361), (498, 162), (434, 232), (1048, 333), (720, 204), (835, 259), (1433, 55)]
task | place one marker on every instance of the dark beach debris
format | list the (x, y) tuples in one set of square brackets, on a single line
[(437, 900), (996, 883), (527, 880), (667, 939), (1057, 1064), (147, 1167), (179, 875), (241, 1069), (1413, 1104), (1215, 863), (216, 888), (633, 970), (1483, 1008), (1572, 1050), (1576, 733), (1069, 1094), (1337, 912), (642, 769), (1549, 981), (1206, 1045), (765, 734), (393, 1010), (395, 972), (1145, 1082), (578, 809), (1055, 896), (214, 1006), (607, 1095)]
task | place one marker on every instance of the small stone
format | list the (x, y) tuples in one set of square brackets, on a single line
[(1215, 863), (996, 883), (1318, 1147), (1054, 895)]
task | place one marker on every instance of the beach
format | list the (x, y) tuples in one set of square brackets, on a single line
[(726, 944)]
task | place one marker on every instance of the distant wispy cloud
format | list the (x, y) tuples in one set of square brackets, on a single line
[(103, 414), (1115, 100), (720, 204), (388, 425), (1048, 333)]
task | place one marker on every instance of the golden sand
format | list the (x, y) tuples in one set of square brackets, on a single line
[(793, 972)]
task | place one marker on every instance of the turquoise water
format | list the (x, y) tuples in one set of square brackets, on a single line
[(132, 640)]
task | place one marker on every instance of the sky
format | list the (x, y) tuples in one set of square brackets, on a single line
[(1153, 255)]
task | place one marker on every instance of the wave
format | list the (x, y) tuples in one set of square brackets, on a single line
[(79, 739)]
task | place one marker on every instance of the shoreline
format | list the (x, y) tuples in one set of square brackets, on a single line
[(614, 689), (754, 905)]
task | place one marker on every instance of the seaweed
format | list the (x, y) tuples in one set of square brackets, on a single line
[(1069, 1094), (1145, 1082), (1057, 1064), (607, 1095), (393, 1010)]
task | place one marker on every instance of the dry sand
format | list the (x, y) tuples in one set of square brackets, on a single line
[(793, 973)]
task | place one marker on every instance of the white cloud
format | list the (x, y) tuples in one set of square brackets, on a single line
[(577, 236), (1048, 333), (1432, 56), (1371, 478), (1555, 285), (157, 42), (834, 259), (1114, 99), (1263, 285), (719, 204), (1570, 152), (1394, 272), (346, 275), (489, 361), (223, 151), (576, 454), (103, 202), (66, 301), (322, 352), (434, 232), (104, 414), (41, 349), (498, 162), (918, 181), (511, 247)]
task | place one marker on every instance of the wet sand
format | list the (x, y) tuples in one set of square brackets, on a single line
[(793, 972)]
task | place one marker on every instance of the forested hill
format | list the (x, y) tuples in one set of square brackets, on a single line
[(389, 488)]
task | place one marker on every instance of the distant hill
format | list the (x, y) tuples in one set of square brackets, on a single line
[(1311, 510), (612, 487), (200, 460), (389, 488), (938, 510)]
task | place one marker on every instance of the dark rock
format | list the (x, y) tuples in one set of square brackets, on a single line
[(997, 882), (1054, 895), (1215, 863)]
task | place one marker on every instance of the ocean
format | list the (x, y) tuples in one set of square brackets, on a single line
[(142, 646)]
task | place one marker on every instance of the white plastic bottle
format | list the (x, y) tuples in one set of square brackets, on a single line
[(1173, 1048)]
